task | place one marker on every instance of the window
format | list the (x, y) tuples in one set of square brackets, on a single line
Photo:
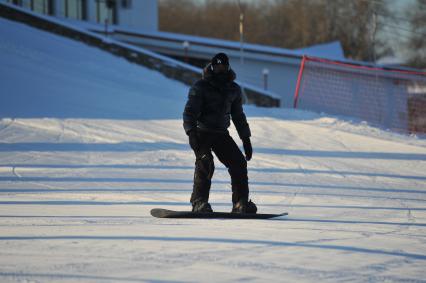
[(75, 9), (29, 4), (126, 4), (16, 2), (106, 10), (40, 6)]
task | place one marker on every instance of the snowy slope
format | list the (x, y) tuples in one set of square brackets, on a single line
[(89, 143)]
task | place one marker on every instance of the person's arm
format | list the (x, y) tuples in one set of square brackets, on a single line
[(192, 109), (240, 121), (239, 118)]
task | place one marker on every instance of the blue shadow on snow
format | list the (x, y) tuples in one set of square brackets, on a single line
[(221, 240)]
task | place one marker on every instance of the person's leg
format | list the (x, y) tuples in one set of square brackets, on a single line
[(204, 169), (230, 155)]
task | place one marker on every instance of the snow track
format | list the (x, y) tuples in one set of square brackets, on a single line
[(83, 161)]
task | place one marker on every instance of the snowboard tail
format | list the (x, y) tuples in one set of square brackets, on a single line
[(165, 213)]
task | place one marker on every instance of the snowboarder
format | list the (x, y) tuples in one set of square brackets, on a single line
[(212, 102)]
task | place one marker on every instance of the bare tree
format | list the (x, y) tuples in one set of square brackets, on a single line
[(417, 41), (284, 23)]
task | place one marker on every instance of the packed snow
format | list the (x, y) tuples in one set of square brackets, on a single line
[(90, 143)]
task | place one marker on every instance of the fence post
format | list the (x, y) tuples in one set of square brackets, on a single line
[(299, 80)]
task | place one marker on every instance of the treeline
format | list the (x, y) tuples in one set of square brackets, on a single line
[(417, 38), (358, 24)]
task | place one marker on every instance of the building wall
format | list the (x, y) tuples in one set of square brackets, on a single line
[(281, 79), (140, 15), (91, 10)]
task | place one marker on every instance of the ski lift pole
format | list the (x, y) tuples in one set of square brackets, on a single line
[(242, 8)]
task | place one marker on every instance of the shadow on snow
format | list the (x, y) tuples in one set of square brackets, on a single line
[(223, 240), (144, 146), (171, 167)]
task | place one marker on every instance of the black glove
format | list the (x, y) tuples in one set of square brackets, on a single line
[(193, 140), (247, 148)]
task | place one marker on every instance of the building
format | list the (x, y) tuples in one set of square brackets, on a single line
[(142, 15)]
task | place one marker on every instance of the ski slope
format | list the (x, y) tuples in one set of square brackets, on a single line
[(89, 143)]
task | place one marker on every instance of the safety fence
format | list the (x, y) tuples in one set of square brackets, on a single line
[(388, 98)]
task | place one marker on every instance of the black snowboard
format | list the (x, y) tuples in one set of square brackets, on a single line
[(165, 213)]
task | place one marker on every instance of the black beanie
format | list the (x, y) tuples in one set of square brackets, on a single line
[(220, 58)]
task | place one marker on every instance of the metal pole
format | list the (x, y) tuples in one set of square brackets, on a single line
[(299, 80), (374, 36), (106, 26), (241, 7), (265, 78), (185, 45), (241, 39)]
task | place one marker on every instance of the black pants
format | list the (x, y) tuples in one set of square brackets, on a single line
[(230, 155)]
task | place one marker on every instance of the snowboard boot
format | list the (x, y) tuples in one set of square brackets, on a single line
[(244, 206), (201, 206)]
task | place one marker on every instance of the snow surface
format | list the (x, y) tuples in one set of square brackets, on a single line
[(89, 143)]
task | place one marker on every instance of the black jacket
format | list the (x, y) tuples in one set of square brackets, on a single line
[(212, 103)]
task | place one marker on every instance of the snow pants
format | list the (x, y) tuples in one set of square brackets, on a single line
[(227, 151)]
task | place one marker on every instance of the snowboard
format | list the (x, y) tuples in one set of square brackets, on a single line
[(165, 213)]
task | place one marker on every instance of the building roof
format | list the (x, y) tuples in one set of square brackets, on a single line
[(331, 50)]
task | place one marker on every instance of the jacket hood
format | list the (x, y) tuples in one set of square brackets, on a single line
[(209, 75)]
